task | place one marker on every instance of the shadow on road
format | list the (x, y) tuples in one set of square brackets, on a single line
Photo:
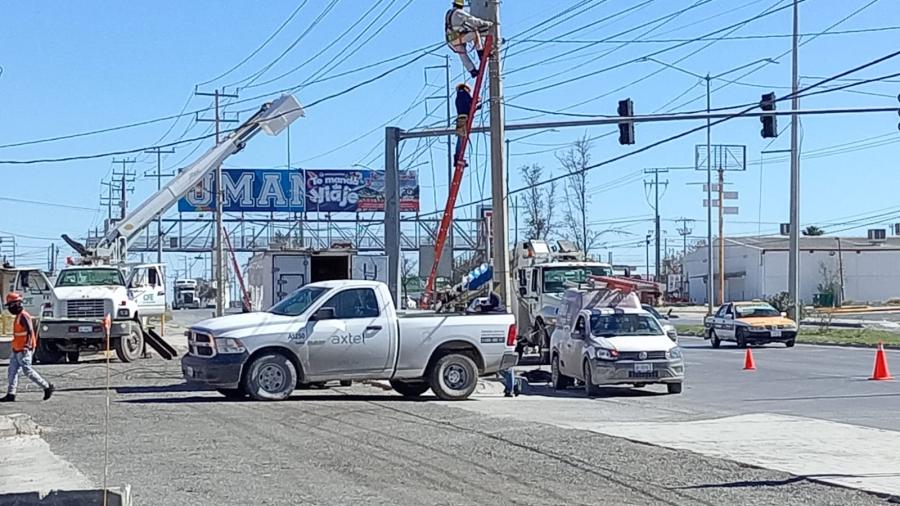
[(547, 390), (197, 399)]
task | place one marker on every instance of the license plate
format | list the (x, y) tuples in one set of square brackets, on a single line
[(776, 333), (85, 329), (642, 368)]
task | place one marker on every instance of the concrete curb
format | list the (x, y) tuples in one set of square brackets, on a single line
[(119, 496), (18, 425)]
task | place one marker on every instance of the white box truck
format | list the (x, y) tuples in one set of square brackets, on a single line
[(273, 275)]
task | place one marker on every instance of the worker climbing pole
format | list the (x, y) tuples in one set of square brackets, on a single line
[(447, 219)]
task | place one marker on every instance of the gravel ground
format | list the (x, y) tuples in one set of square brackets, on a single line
[(359, 445)]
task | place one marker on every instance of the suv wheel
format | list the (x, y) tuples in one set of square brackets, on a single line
[(270, 377)]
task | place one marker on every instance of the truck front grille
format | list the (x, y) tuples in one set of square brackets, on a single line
[(200, 345), (85, 308)]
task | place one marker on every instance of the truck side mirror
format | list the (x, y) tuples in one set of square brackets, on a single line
[(325, 313)]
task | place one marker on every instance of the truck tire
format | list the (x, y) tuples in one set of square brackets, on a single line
[(558, 379), (130, 347), (590, 389), (270, 377), (453, 377), (409, 388), (49, 353)]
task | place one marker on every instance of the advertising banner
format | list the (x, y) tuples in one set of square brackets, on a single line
[(350, 191), (296, 190)]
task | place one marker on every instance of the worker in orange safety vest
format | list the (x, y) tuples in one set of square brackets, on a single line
[(462, 29), (23, 345)]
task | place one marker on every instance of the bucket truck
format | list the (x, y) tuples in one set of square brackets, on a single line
[(95, 286)]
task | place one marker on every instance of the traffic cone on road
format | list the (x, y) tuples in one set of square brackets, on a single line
[(749, 364), (881, 366)]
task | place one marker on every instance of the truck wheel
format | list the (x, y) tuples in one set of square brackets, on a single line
[(72, 357), (453, 377), (129, 348), (232, 393), (558, 379), (49, 353), (409, 388), (673, 388), (590, 389), (270, 377), (714, 339)]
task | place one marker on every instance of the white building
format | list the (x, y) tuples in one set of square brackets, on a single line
[(757, 267)]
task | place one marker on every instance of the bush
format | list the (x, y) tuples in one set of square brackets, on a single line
[(782, 302)]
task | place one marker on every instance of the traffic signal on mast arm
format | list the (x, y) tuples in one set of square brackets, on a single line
[(769, 121), (626, 128)]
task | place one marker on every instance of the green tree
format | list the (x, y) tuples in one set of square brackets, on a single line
[(813, 231)]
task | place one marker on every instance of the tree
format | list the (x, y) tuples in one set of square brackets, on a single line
[(540, 203), (813, 230), (575, 161)]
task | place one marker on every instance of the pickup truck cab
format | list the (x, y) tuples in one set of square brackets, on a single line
[(614, 344), (746, 323), (347, 330)]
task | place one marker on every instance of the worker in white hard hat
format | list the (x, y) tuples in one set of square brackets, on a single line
[(462, 29)]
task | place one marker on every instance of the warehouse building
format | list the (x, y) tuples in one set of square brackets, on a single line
[(859, 269)]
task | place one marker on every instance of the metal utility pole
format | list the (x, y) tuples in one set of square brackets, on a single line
[(684, 231), (499, 202), (794, 253), (721, 234), (657, 226), (220, 198), (159, 175)]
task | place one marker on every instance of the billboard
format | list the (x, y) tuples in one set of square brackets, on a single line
[(297, 190), (249, 191), (350, 191)]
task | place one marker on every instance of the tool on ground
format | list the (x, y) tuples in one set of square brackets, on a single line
[(749, 363), (881, 372)]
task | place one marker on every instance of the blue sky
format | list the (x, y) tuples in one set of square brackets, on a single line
[(80, 66)]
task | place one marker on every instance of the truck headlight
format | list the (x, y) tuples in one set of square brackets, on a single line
[(674, 353), (228, 345), (123, 313), (605, 354)]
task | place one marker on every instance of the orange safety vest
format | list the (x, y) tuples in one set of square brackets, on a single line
[(24, 337)]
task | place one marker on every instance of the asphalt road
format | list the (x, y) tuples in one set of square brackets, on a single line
[(361, 445)]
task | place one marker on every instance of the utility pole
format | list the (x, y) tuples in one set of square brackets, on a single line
[(794, 254), (655, 206), (721, 299), (684, 231), (499, 196), (709, 234), (647, 250), (220, 198), (159, 175), (125, 177)]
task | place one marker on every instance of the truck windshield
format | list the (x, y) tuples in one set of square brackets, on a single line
[(90, 277), (298, 302), (624, 325), (555, 278)]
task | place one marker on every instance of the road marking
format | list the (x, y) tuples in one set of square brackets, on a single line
[(847, 455)]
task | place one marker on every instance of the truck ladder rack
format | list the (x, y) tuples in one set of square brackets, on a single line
[(447, 219)]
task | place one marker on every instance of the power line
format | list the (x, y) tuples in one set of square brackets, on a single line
[(726, 38), (49, 204)]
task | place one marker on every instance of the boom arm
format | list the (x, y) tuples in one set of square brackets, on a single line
[(272, 117)]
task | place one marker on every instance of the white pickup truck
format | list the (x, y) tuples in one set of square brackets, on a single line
[(347, 330)]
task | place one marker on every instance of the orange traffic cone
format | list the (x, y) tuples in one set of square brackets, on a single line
[(749, 364), (881, 366)]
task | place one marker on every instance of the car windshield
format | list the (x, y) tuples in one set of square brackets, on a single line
[(555, 278), (90, 277), (625, 325), (652, 310), (298, 302), (762, 310)]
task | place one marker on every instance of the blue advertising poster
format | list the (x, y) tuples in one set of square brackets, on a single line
[(333, 191), (296, 190), (249, 191)]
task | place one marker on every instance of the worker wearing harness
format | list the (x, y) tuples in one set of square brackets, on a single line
[(23, 345), (462, 29), (463, 108)]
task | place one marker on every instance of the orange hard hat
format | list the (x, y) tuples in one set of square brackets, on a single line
[(13, 297)]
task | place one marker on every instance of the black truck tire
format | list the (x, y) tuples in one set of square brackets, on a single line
[(270, 377), (453, 377), (130, 347)]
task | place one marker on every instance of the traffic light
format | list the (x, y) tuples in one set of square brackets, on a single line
[(626, 128), (769, 121)]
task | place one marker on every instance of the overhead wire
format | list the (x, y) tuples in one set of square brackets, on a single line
[(718, 39)]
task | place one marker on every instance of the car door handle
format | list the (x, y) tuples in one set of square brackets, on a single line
[(374, 328)]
